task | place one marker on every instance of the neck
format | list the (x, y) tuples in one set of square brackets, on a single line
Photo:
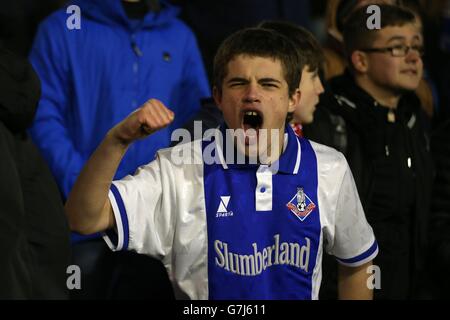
[(268, 149), (385, 96), (274, 152)]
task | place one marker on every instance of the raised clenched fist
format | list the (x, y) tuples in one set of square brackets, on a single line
[(150, 117)]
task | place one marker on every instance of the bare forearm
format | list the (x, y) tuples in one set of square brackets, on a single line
[(89, 196), (352, 283), (88, 208)]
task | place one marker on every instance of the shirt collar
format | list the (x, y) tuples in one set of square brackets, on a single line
[(289, 162)]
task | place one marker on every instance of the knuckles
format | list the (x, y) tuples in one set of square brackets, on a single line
[(150, 116)]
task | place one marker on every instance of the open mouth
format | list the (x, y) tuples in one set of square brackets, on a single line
[(252, 120)]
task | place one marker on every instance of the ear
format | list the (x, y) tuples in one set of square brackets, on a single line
[(217, 97), (294, 100), (359, 61)]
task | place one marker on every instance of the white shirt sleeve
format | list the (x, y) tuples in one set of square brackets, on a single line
[(143, 210), (354, 242)]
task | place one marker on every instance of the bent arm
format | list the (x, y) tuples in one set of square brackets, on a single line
[(88, 208), (352, 283)]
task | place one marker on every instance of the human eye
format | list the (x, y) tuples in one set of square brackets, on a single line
[(399, 49), (418, 48), (236, 83), (269, 85), (399, 46)]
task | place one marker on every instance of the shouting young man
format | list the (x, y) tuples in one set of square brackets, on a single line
[(227, 230)]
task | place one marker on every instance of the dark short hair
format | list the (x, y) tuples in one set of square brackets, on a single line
[(358, 36), (305, 43), (257, 42)]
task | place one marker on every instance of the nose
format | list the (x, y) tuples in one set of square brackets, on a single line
[(251, 93), (413, 56), (319, 86)]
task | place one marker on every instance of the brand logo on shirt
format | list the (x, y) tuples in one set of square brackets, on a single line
[(259, 259), (301, 205), (222, 211)]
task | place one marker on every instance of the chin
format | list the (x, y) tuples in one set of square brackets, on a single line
[(309, 120), (409, 87), (410, 84)]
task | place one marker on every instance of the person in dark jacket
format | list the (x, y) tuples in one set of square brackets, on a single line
[(381, 129), (34, 234), (440, 223)]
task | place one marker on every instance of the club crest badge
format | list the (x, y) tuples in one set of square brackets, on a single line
[(301, 205)]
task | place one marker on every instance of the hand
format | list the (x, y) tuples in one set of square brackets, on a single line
[(152, 116)]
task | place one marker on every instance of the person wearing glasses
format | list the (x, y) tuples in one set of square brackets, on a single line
[(337, 14), (386, 143)]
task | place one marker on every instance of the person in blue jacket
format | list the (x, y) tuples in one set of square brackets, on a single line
[(95, 68), (93, 76)]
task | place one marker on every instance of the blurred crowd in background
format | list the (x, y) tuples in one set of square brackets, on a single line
[(61, 91)]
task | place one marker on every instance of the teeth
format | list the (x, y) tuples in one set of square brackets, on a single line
[(251, 113)]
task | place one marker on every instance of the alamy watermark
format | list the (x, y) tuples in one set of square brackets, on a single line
[(73, 22), (74, 279), (234, 146), (374, 21), (374, 280)]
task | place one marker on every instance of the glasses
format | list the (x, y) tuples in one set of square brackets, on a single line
[(397, 51)]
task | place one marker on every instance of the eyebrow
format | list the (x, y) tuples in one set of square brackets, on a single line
[(397, 38), (263, 80), (269, 80), (237, 79)]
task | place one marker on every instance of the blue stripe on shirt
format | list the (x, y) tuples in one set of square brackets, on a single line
[(123, 215), (363, 255)]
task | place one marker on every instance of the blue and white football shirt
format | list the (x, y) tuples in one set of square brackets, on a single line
[(228, 231)]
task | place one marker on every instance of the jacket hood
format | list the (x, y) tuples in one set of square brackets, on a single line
[(111, 12), (20, 90)]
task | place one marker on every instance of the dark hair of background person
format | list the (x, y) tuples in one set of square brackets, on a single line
[(306, 45), (358, 36)]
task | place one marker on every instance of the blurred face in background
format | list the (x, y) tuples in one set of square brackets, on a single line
[(310, 89), (396, 73)]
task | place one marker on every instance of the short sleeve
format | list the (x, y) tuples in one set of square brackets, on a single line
[(143, 212), (354, 241)]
